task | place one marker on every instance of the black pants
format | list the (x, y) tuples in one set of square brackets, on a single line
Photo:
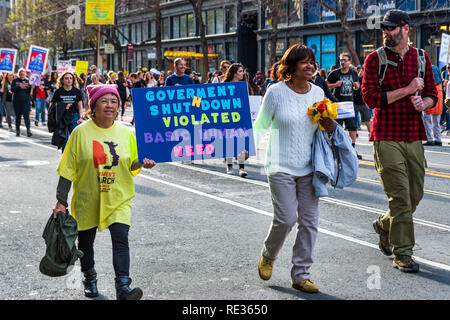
[(121, 250), (22, 108)]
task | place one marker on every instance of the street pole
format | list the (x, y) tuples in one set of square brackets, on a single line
[(98, 49)]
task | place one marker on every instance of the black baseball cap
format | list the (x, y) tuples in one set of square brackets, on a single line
[(395, 17)]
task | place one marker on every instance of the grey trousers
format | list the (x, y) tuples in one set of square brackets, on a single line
[(294, 201)]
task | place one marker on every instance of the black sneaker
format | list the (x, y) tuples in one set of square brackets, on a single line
[(429, 143), (383, 243), (438, 143), (405, 264)]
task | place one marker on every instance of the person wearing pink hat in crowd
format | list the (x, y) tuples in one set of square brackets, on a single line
[(101, 159)]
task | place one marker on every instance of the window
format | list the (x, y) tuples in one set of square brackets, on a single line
[(210, 22), (293, 18), (324, 48), (230, 19), (183, 26), (175, 27), (139, 32), (219, 21), (191, 25), (165, 29)]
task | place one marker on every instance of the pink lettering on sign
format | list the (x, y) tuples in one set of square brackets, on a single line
[(191, 150)]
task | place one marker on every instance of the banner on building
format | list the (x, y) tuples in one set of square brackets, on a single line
[(7, 60), (130, 52), (100, 11), (81, 67), (194, 122), (37, 59)]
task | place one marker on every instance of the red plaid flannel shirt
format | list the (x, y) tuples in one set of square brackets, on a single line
[(398, 121)]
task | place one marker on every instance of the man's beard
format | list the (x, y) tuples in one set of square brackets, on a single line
[(394, 40)]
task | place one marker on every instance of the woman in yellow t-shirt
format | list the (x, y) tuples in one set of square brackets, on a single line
[(101, 160)]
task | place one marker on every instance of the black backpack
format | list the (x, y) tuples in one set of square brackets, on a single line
[(383, 63)]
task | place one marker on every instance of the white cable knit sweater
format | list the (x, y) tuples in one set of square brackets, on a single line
[(285, 113)]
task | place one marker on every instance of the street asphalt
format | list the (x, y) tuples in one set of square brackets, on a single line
[(197, 232)]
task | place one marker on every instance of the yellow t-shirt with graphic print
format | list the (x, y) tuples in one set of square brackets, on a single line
[(98, 162)]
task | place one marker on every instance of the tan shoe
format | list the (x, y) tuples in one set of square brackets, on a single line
[(265, 268), (306, 286)]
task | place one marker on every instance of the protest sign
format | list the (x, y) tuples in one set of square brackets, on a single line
[(193, 122), (100, 12), (37, 59), (35, 78), (345, 110), (445, 45), (7, 60), (255, 105), (81, 67), (63, 66)]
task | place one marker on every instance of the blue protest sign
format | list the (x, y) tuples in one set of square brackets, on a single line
[(193, 122)]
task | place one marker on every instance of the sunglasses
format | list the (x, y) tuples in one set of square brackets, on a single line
[(388, 28), (343, 60)]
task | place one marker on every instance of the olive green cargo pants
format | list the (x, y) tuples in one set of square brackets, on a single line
[(401, 167)]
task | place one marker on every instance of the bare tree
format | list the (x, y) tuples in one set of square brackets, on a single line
[(272, 13), (197, 5), (341, 12)]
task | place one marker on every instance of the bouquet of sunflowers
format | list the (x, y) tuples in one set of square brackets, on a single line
[(322, 109)]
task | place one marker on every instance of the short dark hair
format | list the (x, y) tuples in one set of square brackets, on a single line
[(297, 52), (345, 54)]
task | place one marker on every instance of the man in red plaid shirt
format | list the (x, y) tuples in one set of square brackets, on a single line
[(397, 132)]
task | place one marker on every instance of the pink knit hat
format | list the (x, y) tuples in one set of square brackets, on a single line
[(96, 91)]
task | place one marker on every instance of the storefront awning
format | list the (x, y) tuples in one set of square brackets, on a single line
[(187, 54)]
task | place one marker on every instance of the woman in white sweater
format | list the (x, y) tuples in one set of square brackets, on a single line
[(288, 163)]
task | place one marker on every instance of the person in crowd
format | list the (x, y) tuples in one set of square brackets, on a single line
[(51, 84), (285, 110), (93, 70), (121, 83), (112, 76), (322, 83), (219, 76), (101, 147), (345, 81), (21, 89), (445, 115), (193, 75), (95, 79), (40, 93), (360, 106), (179, 78), (236, 73), (432, 117), (136, 84), (7, 98), (67, 91), (397, 134), (150, 81), (273, 76), (161, 79), (259, 81)]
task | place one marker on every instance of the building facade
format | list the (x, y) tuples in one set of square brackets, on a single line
[(239, 30)]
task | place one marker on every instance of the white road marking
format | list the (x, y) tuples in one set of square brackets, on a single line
[(325, 199), (266, 213)]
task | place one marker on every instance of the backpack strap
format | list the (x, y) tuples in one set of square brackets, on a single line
[(383, 64), (421, 63)]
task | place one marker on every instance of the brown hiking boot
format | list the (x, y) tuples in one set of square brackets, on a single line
[(405, 264), (383, 242)]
